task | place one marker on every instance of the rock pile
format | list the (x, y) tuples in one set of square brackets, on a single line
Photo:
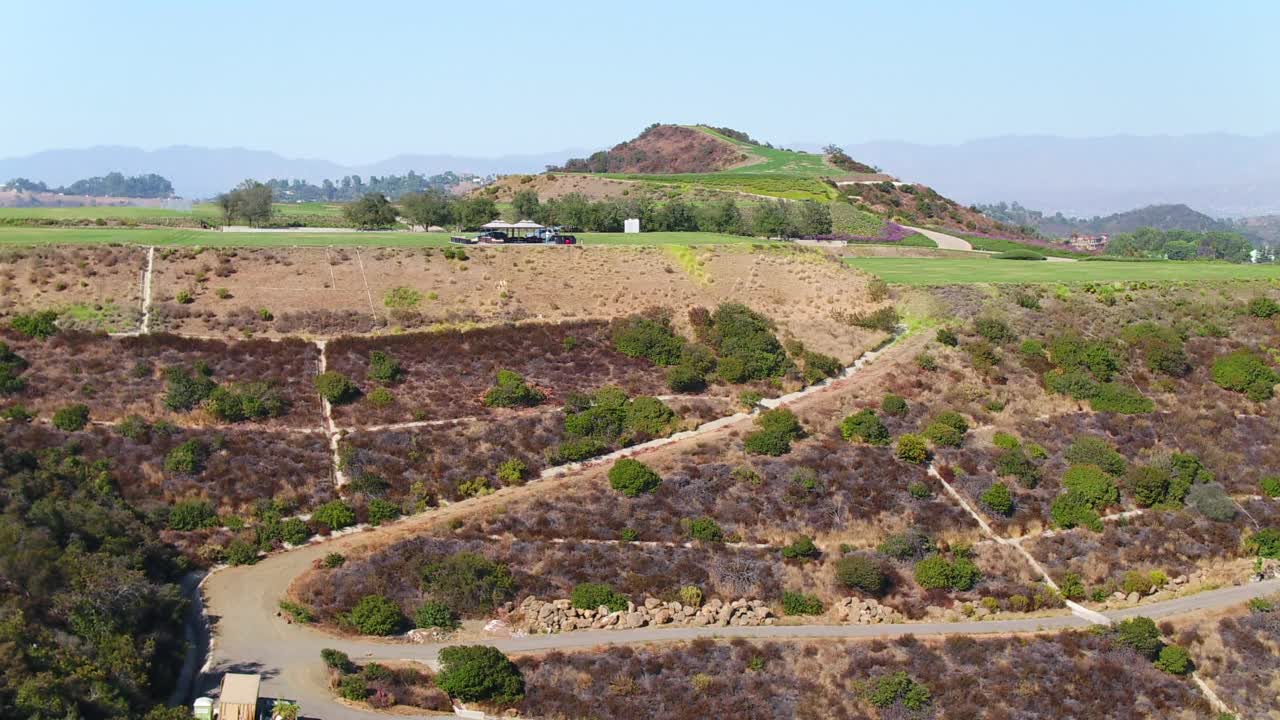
[(551, 616), (864, 612)]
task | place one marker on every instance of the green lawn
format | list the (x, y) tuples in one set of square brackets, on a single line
[(951, 271), (792, 187), (209, 238), (777, 162), (1000, 245)]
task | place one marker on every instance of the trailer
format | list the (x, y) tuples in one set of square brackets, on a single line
[(238, 699)]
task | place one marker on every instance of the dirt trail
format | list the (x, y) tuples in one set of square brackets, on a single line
[(943, 240)]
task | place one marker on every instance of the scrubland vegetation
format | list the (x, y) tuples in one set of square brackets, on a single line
[(1069, 674)]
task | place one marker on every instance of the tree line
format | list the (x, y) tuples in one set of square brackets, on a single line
[(251, 202), (1182, 245), (353, 187), (113, 184)]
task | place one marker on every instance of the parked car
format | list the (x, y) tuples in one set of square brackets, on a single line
[(558, 239), (492, 236)]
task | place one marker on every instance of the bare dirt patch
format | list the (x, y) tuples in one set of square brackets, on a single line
[(101, 286)]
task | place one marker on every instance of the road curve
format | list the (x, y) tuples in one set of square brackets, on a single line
[(943, 240)]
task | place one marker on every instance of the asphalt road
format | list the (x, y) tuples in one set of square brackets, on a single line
[(943, 240)]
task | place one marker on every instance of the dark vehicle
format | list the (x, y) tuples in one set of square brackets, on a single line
[(558, 239), (462, 240), (492, 236)]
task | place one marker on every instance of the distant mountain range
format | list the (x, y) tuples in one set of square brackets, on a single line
[(198, 172), (1222, 175)]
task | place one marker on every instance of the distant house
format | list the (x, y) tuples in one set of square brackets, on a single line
[(1088, 242)]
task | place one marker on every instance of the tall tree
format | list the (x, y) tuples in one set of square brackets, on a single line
[(429, 208), (371, 212)]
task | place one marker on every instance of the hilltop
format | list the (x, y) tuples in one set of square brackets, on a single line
[(1161, 217), (663, 149)]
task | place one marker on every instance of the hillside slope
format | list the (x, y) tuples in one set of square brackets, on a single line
[(664, 149), (1161, 217)]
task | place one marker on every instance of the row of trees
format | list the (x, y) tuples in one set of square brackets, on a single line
[(112, 184), (769, 218), (1182, 245), (353, 187)]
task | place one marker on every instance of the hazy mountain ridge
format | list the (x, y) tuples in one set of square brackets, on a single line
[(1222, 175), (203, 172)]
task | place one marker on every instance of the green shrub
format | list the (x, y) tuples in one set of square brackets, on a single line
[(649, 338), (684, 379), (899, 687), (1073, 383), (191, 515), (947, 337), (795, 603), (982, 354), (295, 531), (1174, 659), (184, 390), (1071, 509), (239, 552), (648, 416), (468, 582), (1005, 441), (633, 478), (998, 499), (1264, 543), (1139, 634), (402, 298), (933, 573), (383, 368), (512, 471), (432, 614), (863, 426), (334, 515), (910, 545), (589, 596), (919, 490), (71, 418), (802, 548), (333, 560), (1187, 470), (1270, 486), (1072, 586), (893, 405), (1263, 307), (862, 572), (1090, 450), (704, 529), (1149, 484), (1116, 397), (511, 390), (186, 458), (993, 330), (1019, 255), (818, 367), (1212, 501), (380, 397), (337, 660), (246, 401), (381, 511), (1161, 347), (740, 334), (1072, 352), (1244, 371), (1092, 484), (478, 673), (884, 319), (927, 362), (576, 450), (335, 387), (778, 427), (764, 442), (353, 687), (912, 449), (376, 615), (36, 325), (943, 435), (1015, 463)]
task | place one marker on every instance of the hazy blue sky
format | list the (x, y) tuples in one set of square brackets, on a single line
[(356, 82)]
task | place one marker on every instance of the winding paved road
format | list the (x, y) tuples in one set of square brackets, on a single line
[(943, 240)]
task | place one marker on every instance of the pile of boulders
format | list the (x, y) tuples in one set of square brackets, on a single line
[(864, 611), (551, 616)]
